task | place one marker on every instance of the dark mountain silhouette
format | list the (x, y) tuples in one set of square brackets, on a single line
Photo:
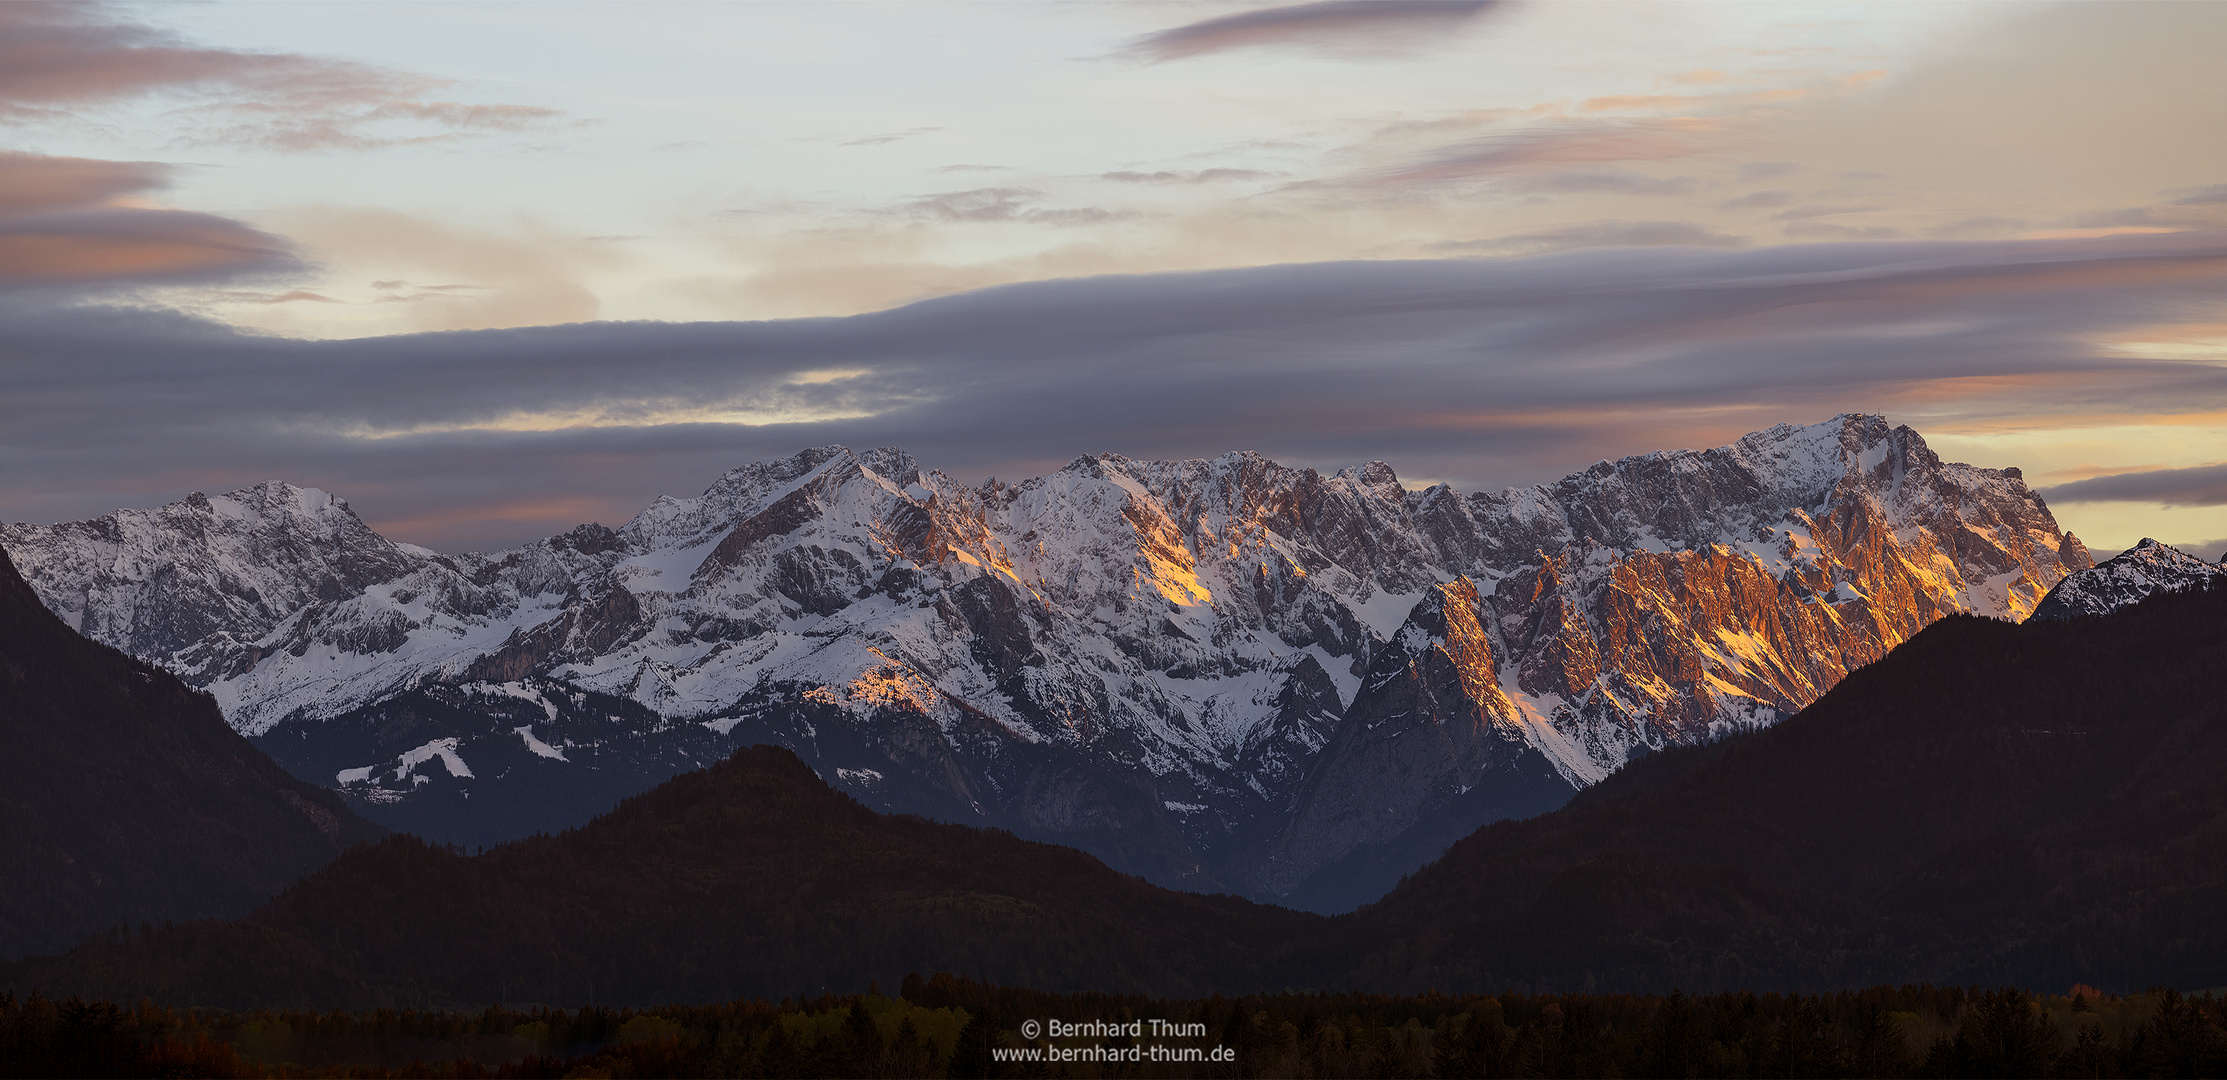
[(126, 798), (1997, 804), (751, 877)]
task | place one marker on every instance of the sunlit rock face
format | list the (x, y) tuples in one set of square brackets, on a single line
[(1222, 674), (2146, 568)]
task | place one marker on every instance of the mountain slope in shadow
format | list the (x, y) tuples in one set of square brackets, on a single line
[(751, 877), (125, 797)]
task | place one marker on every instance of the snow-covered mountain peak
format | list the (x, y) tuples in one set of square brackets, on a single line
[(737, 494), (154, 582), (2146, 568)]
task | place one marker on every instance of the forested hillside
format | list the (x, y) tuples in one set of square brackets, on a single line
[(749, 878), (125, 798)]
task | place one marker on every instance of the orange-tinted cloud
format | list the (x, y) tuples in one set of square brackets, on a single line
[(64, 223), (2083, 472), (31, 182)]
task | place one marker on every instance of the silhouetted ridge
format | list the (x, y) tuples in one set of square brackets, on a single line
[(125, 798), (751, 877)]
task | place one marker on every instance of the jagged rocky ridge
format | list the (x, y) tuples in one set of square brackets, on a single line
[(2123, 580), (1222, 674)]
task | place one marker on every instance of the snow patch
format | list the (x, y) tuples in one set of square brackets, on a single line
[(445, 749), (540, 749), (1385, 612), (1340, 670)]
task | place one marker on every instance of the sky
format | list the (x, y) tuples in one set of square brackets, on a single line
[(492, 270)]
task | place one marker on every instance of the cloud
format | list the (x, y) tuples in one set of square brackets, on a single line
[(888, 137), (1001, 204), (1984, 225), (1483, 372), (1595, 234), (1343, 27), (1615, 181), (1202, 176), (437, 275), (404, 292), (1758, 200), (288, 297), (1544, 146), (2198, 208), (977, 204), (1767, 170), (1825, 230), (368, 128), (68, 224), (1803, 212), (1627, 102), (58, 58), (35, 182), (2203, 485)]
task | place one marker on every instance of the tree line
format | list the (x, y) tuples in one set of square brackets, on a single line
[(955, 1027)]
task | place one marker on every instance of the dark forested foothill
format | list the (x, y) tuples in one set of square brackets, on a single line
[(946, 1027), (126, 799), (752, 877)]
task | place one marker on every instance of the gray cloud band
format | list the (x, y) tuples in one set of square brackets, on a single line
[(2204, 485), (1336, 25), (1481, 373)]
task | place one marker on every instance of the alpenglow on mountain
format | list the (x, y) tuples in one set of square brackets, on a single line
[(1220, 674)]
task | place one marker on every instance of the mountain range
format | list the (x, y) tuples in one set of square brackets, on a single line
[(1998, 804), (1223, 675)]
